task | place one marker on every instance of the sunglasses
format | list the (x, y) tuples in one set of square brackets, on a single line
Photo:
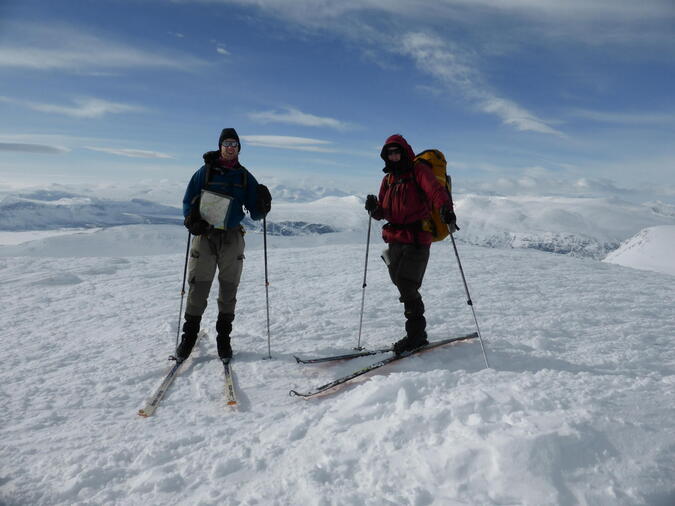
[(393, 151), (230, 144)]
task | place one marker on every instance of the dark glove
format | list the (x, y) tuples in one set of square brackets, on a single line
[(194, 223), (371, 203), (448, 216), (264, 199)]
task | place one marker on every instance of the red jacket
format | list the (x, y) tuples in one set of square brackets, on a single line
[(401, 200)]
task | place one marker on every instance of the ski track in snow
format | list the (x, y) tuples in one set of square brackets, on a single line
[(577, 408)]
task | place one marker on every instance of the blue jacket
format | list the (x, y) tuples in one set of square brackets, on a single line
[(236, 182)]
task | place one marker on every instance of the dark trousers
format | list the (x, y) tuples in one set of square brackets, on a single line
[(407, 265)]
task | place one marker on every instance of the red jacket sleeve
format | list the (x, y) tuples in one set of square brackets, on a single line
[(378, 213), (434, 190)]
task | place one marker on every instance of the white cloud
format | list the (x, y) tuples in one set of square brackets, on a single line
[(569, 11), (22, 147), (288, 142), (487, 27), (637, 118), (451, 66), (512, 114), (293, 116), (84, 108), (223, 51), (130, 153), (499, 24), (65, 47)]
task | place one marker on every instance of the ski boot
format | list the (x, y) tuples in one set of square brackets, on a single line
[(189, 337), (415, 327), (224, 328)]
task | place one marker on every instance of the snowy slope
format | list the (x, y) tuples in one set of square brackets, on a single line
[(652, 249), (584, 227), (577, 409)]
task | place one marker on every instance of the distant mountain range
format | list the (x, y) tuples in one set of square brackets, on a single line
[(577, 226), (46, 210), (49, 210)]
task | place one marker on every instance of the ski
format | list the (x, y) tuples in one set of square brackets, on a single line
[(377, 365), (230, 394), (346, 356), (158, 394)]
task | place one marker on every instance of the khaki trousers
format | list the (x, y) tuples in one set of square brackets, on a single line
[(221, 249)]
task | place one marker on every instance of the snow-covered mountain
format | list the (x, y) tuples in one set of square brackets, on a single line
[(583, 227), (576, 226), (652, 249), (285, 193), (41, 210), (55, 210)]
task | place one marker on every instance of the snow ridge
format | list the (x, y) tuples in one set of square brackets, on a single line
[(651, 249)]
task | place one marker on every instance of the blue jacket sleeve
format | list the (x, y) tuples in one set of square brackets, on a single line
[(251, 199), (194, 188)]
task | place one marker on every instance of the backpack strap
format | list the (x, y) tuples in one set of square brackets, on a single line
[(244, 176)]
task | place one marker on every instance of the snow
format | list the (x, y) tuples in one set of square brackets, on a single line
[(42, 210), (16, 238), (587, 227), (576, 409), (651, 249)]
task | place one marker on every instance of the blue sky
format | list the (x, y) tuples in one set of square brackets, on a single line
[(523, 96)]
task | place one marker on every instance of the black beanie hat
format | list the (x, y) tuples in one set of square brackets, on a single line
[(228, 133)]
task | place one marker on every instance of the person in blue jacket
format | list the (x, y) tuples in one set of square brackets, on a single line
[(218, 245)]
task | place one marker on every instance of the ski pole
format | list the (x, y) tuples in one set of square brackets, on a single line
[(182, 291), (468, 300), (267, 293), (363, 293)]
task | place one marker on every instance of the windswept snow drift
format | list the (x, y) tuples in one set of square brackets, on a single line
[(577, 408), (652, 249)]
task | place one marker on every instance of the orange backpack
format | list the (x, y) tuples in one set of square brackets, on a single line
[(436, 160)]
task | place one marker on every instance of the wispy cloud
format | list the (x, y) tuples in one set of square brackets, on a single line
[(64, 47), (130, 153), (223, 51), (447, 62), (487, 28), (288, 142), (452, 67), (624, 117), (42, 149), (568, 12), (293, 116), (83, 108), (515, 115)]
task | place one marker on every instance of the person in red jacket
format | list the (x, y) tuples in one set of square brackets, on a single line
[(407, 192)]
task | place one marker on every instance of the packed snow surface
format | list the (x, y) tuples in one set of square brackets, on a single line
[(577, 407), (652, 249)]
